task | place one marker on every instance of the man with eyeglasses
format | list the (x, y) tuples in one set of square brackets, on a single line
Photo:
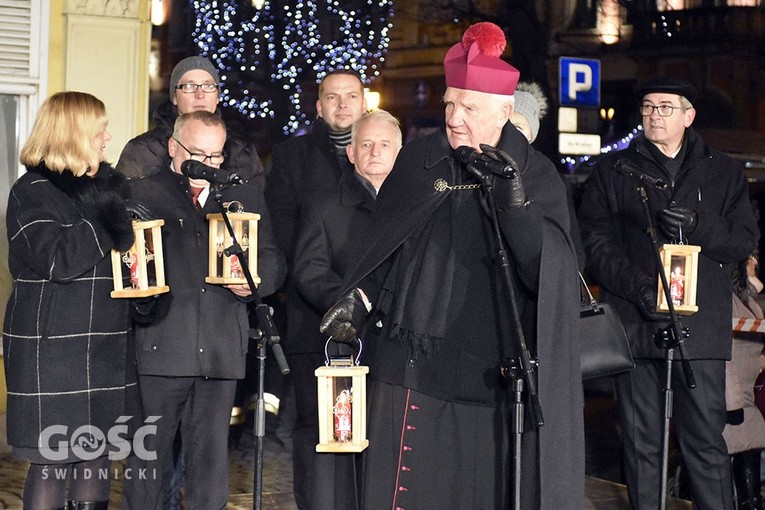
[(194, 86), (704, 203), (192, 346)]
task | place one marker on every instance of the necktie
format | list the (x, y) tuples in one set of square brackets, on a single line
[(195, 191)]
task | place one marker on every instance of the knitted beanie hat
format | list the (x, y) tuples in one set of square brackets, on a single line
[(530, 102), (189, 64)]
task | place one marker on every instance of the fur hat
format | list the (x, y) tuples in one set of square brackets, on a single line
[(670, 86), (189, 64), (531, 102), (475, 64)]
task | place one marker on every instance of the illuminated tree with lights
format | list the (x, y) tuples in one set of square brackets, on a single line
[(265, 55)]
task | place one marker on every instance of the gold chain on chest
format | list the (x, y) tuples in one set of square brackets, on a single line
[(442, 185)]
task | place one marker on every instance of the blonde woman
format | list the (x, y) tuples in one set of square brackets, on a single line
[(65, 339)]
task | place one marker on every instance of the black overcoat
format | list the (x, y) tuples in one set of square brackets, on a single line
[(621, 257), (302, 168), (326, 245), (65, 340)]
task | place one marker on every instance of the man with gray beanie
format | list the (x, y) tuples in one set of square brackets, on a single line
[(194, 85)]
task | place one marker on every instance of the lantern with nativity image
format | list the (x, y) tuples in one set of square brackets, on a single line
[(680, 263), (224, 266), (342, 394), (140, 271)]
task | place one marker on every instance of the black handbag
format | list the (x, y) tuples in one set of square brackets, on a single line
[(605, 349)]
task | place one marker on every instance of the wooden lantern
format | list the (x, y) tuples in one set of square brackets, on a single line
[(224, 269), (140, 271), (681, 267), (342, 398)]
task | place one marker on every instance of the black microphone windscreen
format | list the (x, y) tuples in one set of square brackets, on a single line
[(465, 154), (197, 170), (190, 168)]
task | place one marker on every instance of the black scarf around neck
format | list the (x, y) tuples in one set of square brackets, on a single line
[(424, 276)]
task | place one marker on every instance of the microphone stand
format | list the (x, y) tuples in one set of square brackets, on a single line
[(520, 370), (669, 338), (266, 335)]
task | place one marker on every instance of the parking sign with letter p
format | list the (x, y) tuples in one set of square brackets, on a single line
[(579, 82)]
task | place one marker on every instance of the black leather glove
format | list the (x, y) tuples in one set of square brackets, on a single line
[(139, 211), (508, 192), (344, 319), (677, 222), (647, 304)]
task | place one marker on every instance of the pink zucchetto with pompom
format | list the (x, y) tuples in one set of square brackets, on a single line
[(475, 64)]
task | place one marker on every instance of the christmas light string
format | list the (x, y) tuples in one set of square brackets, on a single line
[(263, 55)]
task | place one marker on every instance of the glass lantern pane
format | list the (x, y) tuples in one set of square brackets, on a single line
[(151, 268), (244, 238), (342, 390), (677, 280), (220, 245), (130, 270)]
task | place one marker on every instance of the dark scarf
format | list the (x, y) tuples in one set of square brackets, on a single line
[(424, 274), (340, 139), (670, 165)]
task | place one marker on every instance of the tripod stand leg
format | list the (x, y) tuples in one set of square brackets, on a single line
[(260, 425), (665, 436), (517, 418)]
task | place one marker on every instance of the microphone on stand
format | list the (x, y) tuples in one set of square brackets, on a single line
[(480, 164), (627, 168), (266, 323), (198, 170)]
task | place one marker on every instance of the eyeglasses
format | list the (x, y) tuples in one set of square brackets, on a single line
[(191, 88), (665, 110), (215, 159)]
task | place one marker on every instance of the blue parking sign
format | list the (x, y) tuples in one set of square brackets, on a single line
[(579, 82)]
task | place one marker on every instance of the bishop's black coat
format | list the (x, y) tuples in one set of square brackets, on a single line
[(461, 364)]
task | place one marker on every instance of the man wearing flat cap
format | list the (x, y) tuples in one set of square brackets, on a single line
[(428, 299), (703, 201)]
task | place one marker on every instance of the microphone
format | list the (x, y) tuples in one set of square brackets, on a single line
[(198, 170), (627, 168), (480, 164)]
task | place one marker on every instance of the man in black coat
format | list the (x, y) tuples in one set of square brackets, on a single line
[(194, 350), (323, 253), (439, 410), (314, 162), (704, 202), (301, 168), (194, 85)]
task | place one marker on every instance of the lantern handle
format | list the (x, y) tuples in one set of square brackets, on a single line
[(326, 352), (234, 206)]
